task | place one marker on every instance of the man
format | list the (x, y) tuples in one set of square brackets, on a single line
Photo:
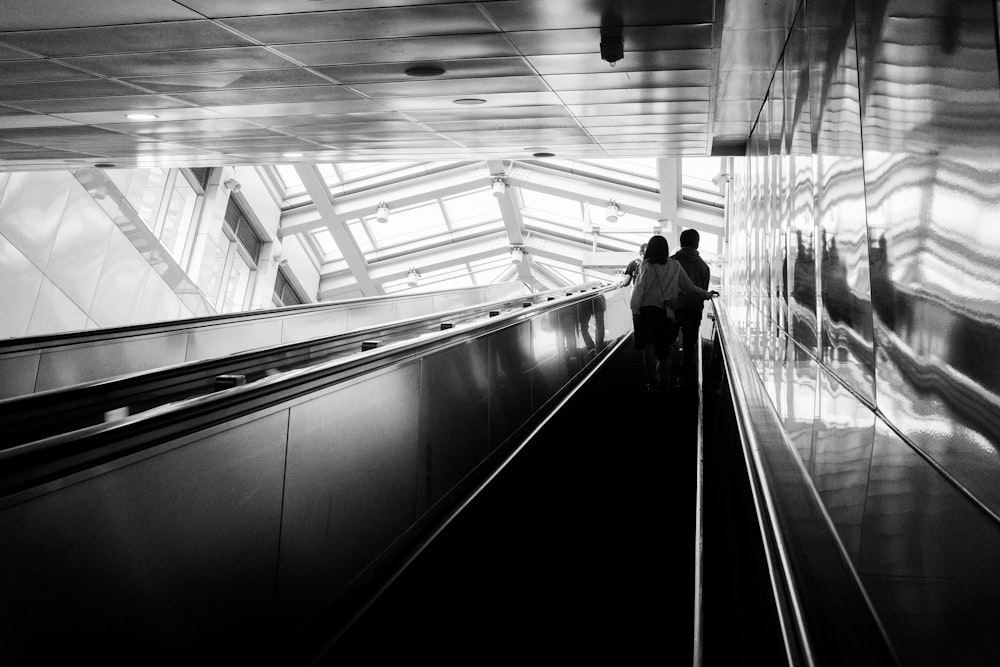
[(688, 309), (631, 275), (632, 270)]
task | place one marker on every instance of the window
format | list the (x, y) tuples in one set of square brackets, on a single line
[(284, 292), (241, 259)]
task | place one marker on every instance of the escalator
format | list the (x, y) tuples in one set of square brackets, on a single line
[(213, 530), (579, 551)]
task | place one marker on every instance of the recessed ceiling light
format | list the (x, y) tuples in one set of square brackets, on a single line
[(469, 100), (424, 71), (141, 116), (291, 155), (543, 154)]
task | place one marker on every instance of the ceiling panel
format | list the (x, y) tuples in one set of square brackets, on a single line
[(22, 71), (634, 38), (335, 72), (345, 25), (172, 62), (514, 15), (408, 50), (453, 69), (185, 82), (176, 35)]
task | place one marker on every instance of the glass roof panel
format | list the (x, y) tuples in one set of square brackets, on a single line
[(569, 210), (407, 224), (360, 231), (696, 180), (324, 239), (352, 171), (329, 173), (290, 179), (472, 208)]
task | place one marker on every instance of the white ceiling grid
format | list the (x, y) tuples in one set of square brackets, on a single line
[(251, 81)]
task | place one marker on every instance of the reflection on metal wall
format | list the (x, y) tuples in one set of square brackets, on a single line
[(865, 231)]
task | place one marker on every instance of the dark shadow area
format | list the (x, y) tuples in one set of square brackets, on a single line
[(581, 550)]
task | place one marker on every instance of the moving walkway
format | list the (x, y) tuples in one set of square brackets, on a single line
[(39, 363), (213, 529)]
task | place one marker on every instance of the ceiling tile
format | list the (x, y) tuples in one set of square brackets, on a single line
[(579, 63), (56, 14), (639, 108), (453, 69), (679, 94), (454, 87), (176, 35), (495, 124), (295, 109), (612, 80), (409, 50), (638, 38), (35, 71), (492, 100), (204, 81), (602, 131), (119, 103), (534, 15), (658, 119), (63, 89), (364, 23), (172, 62), (228, 8), (218, 98), (457, 112)]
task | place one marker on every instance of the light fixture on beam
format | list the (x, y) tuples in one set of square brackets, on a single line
[(232, 185), (516, 255), (382, 215), (612, 212), (413, 277), (499, 187)]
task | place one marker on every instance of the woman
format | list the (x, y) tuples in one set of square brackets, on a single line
[(660, 279)]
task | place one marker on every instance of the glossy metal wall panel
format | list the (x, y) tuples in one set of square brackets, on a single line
[(930, 96), (454, 417), (842, 242), (841, 458), (63, 367), (929, 558), (801, 271), (80, 248), (119, 288), (555, 349), (30, 210), (54, 311), (207, 342), (21, 281), (510, 381), (175, 553), (351, 483)]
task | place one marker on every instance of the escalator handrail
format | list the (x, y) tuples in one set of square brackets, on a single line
[(824, 613), (22, 415), (33, 343), (27, 468)]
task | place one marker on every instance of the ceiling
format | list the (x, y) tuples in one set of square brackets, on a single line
[(285, 81)]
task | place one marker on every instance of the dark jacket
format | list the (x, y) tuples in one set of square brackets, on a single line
[(699, 273)]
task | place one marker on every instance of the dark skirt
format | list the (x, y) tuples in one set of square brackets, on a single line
[(655, 328)]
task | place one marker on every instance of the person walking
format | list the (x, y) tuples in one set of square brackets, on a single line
[(689, 306), (661, 279), (632, 268), (631, 275)]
